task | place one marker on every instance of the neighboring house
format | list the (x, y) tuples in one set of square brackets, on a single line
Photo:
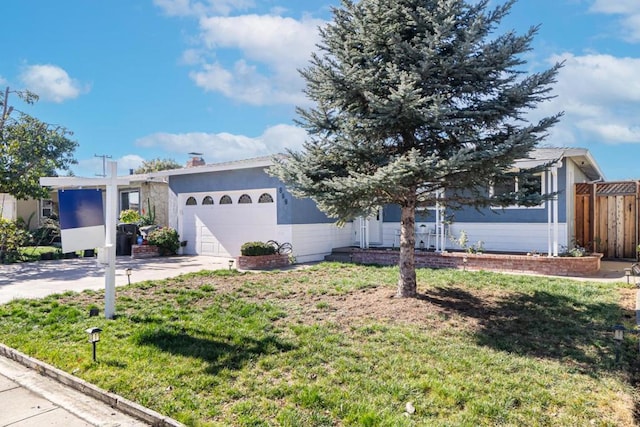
[(218, 207), (144, 191)]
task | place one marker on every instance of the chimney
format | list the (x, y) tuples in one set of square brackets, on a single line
[(195, 160)]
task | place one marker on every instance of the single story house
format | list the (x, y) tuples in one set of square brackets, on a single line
[(218, 207)]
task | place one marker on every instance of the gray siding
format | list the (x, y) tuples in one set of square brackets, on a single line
[(291, 210), (487, 215)]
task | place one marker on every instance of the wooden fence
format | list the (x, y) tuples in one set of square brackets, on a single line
[(606, 218)]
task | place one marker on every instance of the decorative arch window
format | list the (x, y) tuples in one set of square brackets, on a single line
[(208, 200), (225, 200), (191, 201), (265, 198), (244, 199)]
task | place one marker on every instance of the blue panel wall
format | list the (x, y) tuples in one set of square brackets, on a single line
[(290, 209), (514, 215)]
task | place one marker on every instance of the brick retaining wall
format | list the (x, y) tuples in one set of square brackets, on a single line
[(556, 266), (144, 251), (262, 262)]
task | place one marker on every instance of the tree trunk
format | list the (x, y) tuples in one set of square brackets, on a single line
[(407, 282)]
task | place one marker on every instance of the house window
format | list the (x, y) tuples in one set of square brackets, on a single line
[(265, 198), (130, 200), (46, 208), (225, 200), (191, 201), (207, 200), (533, 186), (244, 199)]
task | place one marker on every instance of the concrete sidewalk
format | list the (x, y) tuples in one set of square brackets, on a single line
[(31, 399)]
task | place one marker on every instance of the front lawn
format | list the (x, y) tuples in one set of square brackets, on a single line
[(329, 345)]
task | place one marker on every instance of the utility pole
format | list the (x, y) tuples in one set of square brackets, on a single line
[(104, 158)]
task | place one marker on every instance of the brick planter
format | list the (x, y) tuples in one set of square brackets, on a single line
[(556, 266), (262, 262), (144, 251)]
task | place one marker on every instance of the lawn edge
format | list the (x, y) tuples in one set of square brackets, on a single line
[(115, 401)]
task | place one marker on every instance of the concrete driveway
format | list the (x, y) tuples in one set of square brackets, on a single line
[(39, 279)]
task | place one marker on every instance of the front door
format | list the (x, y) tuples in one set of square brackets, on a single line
[(368, 231)]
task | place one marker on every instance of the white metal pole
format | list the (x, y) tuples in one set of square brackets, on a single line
[(554, 172), (109, 243), (549, 205)]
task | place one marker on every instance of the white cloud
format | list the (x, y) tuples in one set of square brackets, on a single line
[(3, 81), (199, 8), (600, 95), (51, 83), (272, 52), (617, 6), (630, 11), (221, 147)]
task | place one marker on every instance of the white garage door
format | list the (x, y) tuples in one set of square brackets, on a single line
[(218, 223)]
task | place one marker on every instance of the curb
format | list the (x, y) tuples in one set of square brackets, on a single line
[(117, 402)]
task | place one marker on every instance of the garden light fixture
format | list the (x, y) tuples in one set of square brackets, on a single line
[(618, 333), (230, 264), (94, 337), (128, 271)]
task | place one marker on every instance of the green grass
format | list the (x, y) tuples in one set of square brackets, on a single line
[(32, 253), (329, 346)]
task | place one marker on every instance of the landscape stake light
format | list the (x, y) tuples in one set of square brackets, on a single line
[(230, 264), (128, 271), (94, 337), (618, 337)]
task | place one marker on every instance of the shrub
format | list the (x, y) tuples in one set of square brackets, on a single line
[(166, 239), (576, 251), (48, 233), (12, 237), (257, 248)]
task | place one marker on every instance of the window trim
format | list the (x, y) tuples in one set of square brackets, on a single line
[(543, 190)]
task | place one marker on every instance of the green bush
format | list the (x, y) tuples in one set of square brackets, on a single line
[(12, 237), (129, 216), (257, 248), (166, 239)]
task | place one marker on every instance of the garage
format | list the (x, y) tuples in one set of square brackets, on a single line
[(218, 223)]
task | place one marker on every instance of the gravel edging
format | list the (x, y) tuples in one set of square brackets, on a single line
[(117, 402)]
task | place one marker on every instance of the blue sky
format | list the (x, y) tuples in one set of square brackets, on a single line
[(145, 79)]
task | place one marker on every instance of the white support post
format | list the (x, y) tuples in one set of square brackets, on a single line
[(549, 204), (110, 240), (556, 231)]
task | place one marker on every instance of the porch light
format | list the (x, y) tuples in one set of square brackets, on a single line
[(128, 271), (230, 264), (94, 337)]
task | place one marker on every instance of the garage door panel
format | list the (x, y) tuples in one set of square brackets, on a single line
[(221, 229)]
